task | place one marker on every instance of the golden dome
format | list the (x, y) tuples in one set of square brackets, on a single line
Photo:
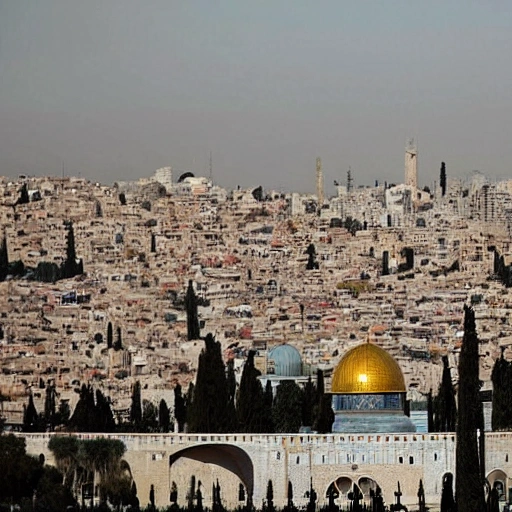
[(367, 368)]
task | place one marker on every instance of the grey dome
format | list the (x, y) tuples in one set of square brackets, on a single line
[(284, 361)]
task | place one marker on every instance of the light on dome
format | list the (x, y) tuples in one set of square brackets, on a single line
[(363, 378)]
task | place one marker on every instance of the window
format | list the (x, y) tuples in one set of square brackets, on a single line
[(400, 460), (411, 459)]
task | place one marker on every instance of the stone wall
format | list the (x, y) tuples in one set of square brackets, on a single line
[(321, 459)]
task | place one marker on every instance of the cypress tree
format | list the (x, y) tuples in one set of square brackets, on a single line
[(110, 335), (469, 483), (325, 417), (268, 401), (49, 405), (446, 406), (192, 317), (4, 259), (83, 418), (308, 403), (209, 410), (430, 412), (164, 416), (249, 407), (30, 416), (421, 498), (286, 411), (70, 267), (118, 345), (501, 404), (153, 242), (447, 501), (136, 406), (180, 408), (442, 179), (311, 252), (104, 416), (270, 497), (23, 197)]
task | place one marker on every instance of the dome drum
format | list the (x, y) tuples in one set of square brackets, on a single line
[(369, 402)]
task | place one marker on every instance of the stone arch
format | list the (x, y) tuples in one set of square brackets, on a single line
[(498, 478), (229, 457), (367, 484)]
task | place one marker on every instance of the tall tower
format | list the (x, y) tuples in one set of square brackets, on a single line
[(319, 183), (411, 164)]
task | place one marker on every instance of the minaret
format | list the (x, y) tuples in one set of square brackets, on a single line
[(411, 164), (319, 183)]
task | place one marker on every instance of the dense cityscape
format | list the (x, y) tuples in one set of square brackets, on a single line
[(117, 300)]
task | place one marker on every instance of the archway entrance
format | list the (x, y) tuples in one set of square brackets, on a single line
[(498, 480), (344, 491), (184, 470)]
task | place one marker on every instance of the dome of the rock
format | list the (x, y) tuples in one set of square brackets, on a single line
[(367, 369), (284, 361)]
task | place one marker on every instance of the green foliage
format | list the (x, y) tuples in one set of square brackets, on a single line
[(250, 406), (268, 402), (352, 225), (118, 345), (82, 461), (23, 197), (32, 422), (164, 417), (136, 406), (110, 335), (22, 477), (4, 259), (149, 417), (287, 408), (180, 408), (192, 315), (501, 398), (444, 405), (442, 179), (309, 400), (312, 264), (469, 481), (47, 272), (92, 415), (70, 267), (209, 411)]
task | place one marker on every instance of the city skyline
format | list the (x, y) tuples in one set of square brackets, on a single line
[(112, 91)]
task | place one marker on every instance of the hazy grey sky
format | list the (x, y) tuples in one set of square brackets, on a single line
[(117, 88)]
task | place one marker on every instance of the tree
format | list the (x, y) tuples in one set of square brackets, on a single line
[(421, 498), (309, 399), (442, 179), (152, 497), (249, 406), (312, 263), (118, 345), (270, 497), (104, 418), (180, 408), (4, 259), (501, 400), (286, 411), (192, 315), (445, 406), (71, 267), (447, 501), (110, 335), (164, 416), (469, 482), (153, 242), (83, 418), (49, 405), (122, 198), (268, 401), (209, 410), (136, 406), (23, 198), (31, 420), (323, 413)]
